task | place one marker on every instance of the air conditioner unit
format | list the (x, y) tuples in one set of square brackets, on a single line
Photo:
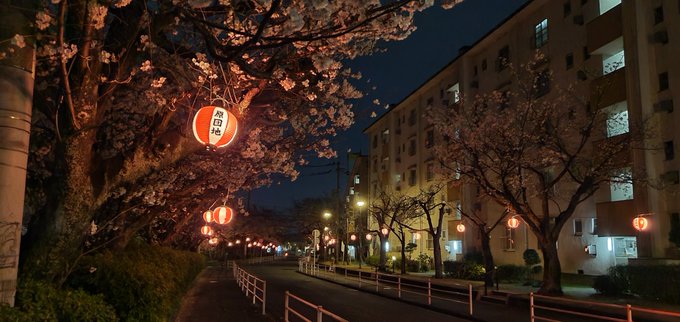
[(591, 250), (578, 20), (664, 106), (661, 37)]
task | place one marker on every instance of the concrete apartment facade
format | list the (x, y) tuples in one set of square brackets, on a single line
[(627, 45)]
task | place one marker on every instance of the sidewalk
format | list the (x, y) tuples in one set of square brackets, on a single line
[(216, 297)]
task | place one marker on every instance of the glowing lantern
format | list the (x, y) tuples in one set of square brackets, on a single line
[(206, 230), (416, 236), (213, 241), (238, 241), (223, 215), (513, 222), (247, 239), (369, 236), (230, 244), (353, 237), (384, 231), (214, 126), (460, 228), (640, 223), (326, 238), (208, 216)]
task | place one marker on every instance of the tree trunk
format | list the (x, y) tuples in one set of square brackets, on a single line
[(16, 95), (488, 257), (552, 271), (403, 253), (383, 253), (438, 270)]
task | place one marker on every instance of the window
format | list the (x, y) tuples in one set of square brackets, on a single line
[(503, 58), (542, 83), (429, 171), (669, 150), (484, 65), (430, 242), (375, 141), (617, 119), (430, 101), (606, 5), (586, 53), (429, 138), (474, 70), (621, 186), (569, 60), (508, 240), (357, 180), (412, 117), (385, 136), (541, 33), (658, 15), (458, 214), (613, 62), (457, 247), (593, 226), (412, 146), (663, 81), (412, 176), (567, 8), (578, 227), (454, 93)]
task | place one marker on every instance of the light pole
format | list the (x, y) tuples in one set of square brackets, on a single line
[(360, 204)]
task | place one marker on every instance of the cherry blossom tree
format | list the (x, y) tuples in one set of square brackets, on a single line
[(539, 150), (391, 210), (433, 211), (118, 82)]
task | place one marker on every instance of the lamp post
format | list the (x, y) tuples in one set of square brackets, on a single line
[(360, 204)]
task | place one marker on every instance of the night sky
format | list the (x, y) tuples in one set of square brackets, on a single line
[(395, 73)]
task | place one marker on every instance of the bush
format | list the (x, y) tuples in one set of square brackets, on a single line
[(531, 257), (411, 265), (373, 261), (143, 283), (652, 282), (604, 284), (464, 270), (425, 262), (511, 273), (40, 301), (475, 257)]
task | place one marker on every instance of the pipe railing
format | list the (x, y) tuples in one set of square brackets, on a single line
[(320, 311), (384, 282), (251, 285), (624, 310)]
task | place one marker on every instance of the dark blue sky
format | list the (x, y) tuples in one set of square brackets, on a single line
[(395, 74)]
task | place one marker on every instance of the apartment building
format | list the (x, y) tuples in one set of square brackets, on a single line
[(627, 45), (356, 203)]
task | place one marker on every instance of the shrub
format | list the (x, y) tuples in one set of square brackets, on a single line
[(373, 260), (411, 265), (425, 262), (143, 283), (531, 257), (604, 284), (40, 301), (464, 270), (511, 273), (475, 257), (652, 282)]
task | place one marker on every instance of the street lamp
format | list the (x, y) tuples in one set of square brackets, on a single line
[(327, 215), (360, 204)]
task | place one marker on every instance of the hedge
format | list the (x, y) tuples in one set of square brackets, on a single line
[(652, 282), (464, 270)]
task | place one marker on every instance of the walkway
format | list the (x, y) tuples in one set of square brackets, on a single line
[(215, 297)]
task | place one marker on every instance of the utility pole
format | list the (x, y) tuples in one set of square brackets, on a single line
[(337, 211)]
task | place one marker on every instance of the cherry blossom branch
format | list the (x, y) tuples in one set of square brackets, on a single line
[(62, 63)]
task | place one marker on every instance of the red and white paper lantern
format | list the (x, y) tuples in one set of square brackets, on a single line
[(208, 216), (223, 215), (214, 126), (206, 230)]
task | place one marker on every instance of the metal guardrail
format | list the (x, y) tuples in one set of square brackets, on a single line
[(251, 285), (387, 281), (628, 309), (320, 311)]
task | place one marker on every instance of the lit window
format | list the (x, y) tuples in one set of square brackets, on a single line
[(617, 119), (356, 179), (606, 5), (429, 171), (621, 185), (541, 33), (509, 239), (613, 62), (454, 92)]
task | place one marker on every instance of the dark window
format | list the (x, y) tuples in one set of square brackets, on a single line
[(474, 70), (375, 141), (586, 53), (412, 117), (542, 83), (429, 139), (658, 15), (484, 65), (541, 33), (669, 150), (578, 227), (412, 147), (503, 58), (569, 60), (429, 173), (663, 81), (567, 8), (441, 93), (430, 101), (412, 177)]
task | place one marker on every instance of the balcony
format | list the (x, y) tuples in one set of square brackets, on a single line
[(615, 218), (608, 89), (605, 28)]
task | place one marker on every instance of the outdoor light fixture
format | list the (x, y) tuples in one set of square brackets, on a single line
[(513, 222), (208, 216), (247, 239), (416, 236), (223, 215), (230, 244), (369, 236), (327, 214), (214, 126), (250, 244), (325, 228), (326, 238), (384, 231), (353, 237), (640, 223), (206, 230), (460, 228), (360, 203), (238, 241)]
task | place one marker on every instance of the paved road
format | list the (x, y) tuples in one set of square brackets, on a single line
[(348, 303)]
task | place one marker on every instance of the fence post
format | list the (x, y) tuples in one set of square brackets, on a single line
[(470, 297), (429, 292), (399, 286), (285, 306), (264, 296), (359, 279), (319, 314), (629, 313), (531, 306), (377, 282), (254, 289)]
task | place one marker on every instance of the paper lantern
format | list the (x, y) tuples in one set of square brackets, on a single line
[(416, 236), (640, 223), (369, 236), (213, 241), (223, 215), (214, 126), (353, 237), (384, 231), (460, 228), (513, 222), (206, 230), (208, 216)]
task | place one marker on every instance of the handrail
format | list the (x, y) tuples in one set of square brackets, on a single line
[(251, 285), (320, 311), (629, 309), (374, 279)]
